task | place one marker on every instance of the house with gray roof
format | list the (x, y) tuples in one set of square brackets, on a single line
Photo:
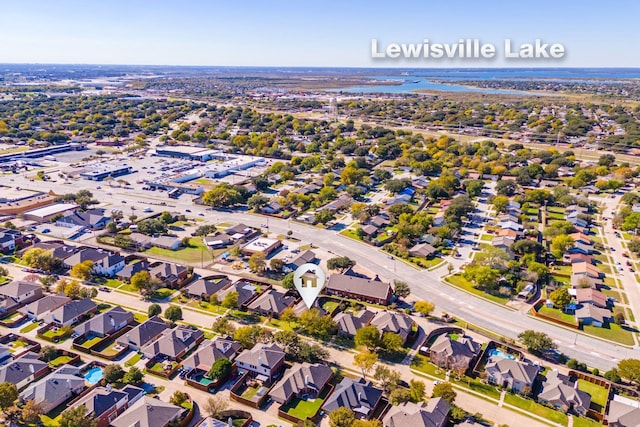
[(349, 323), (271, 303), (457, 354), (143, 334), (210, 351), (247, 291), (91, 219), (358, 395), (434, 413), (104, 263), (21, 291), (205, 287), (370, 290), (106, 323), (396, 323), (562, 393), (24, 370), (130, 269), (590, 314), (148, 412), (104, 404), (174, 343), (38, 309), (623, 412), (71, 312), (171, 274), (53, 390), (306, 257), (510, 373), (302, 379), (263, 361)]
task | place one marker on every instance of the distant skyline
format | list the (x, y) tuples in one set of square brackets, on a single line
[(321, 34)]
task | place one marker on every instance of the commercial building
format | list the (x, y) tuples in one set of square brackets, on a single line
[(100, 171), (44, 214), (261, 245)]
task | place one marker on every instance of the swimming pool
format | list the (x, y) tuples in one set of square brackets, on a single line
[(500, 353), (93, 375)]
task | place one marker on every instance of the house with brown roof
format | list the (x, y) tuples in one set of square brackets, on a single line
[(205, 287), (591, 296), (302, 379), (586, 269), (271, 303), (174, 343), (373, 291), (173, 275), (349, 323), (263, 361), (562, 392), (210, 351), (434, 413), (395, 323), (589, 314), (510, 373), (457, 354), (423, 250)]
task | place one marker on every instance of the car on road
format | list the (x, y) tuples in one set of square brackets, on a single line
[(201, 214), (104, 289), (124, 202), (624, 254), (46, 230), (188, 210)]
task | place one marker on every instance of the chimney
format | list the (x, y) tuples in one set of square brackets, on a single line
[(259, 361), (360, 396), (31, 368)]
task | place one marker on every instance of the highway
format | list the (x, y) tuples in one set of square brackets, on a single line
[(424, 284)]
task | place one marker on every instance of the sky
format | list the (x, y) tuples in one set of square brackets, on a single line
[(311, 33)]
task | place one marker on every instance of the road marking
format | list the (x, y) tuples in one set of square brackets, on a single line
[(595, 354)]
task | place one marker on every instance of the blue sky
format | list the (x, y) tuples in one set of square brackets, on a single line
[(312, 33)]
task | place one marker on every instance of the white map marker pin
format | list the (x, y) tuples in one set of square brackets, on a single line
[(309, 280)]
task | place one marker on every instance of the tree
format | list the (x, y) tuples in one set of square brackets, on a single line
[(276, 264), (8, 395), (287, 282), (445, 391), (77, 417), (247, 335), (220, 369), (536, 342), (113, 373), (500, 203), (417, 388), (257, 262), (506, 187), (179, 397), (612, 375), (629, 369), (342, 263), (133, 376), (314, 324), (223, 326), (561, 298), (166, 217), (388, 378), (401, 289), (560, 244), (215, 405), (288, 315), (424, 307), (143, 282), (368, 336), (365, 361), (154, 309), (391, 342), (524, 246), (173, 313), (152, 226), (257, 201), (40, 259), (31, 412), (400, 395), (230, 300), (341, 417), (473, 187), (223, 195), (324, 216), (48, 353)]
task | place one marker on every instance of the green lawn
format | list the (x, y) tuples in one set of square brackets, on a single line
[(351, 233), (478, 386), (532, 407), (60, 360), (196, 252), (203, 305), (133, 360), (29, 327), (140, 318), (605, 268), (598, 393), (112, 283), (303, 408), (421, 363), (585, 422), (562, 269), (91, 341), (461, 282), (487, 237), (557, 314), (250, 392), (613, 332), (51, 334), (285, 326), (162, 293)]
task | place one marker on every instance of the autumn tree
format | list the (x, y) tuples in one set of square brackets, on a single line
[(365, 361), (257, 262), (368, 336), (424, 307), (215, 405), (83, 270), (445, 391), (8, 395), (341, 417)]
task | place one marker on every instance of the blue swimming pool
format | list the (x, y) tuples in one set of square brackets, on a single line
[(500, 353), (93, 375)]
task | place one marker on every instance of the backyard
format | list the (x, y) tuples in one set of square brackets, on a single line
[(303, 408), (599, 394), (60, 360), (196, 252), (532, 407), (460, 282)]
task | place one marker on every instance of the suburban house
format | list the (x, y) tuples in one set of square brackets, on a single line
[(166, 242), (302, 379), (173, 275), (263, 361), (24, 370), (242, 232), (503, 243), (174, 343), (53, 390), (57, 248), (373, 291), (395, 323), (589, 314), (306, 257), (205, 287), (105, 404), (210, 351), (349, 323), (623, 412), (104, 263), (38, 309), (10, 240), (591, 296), (512, 374), (148, 412), (130, 269), (358, 395), (92, 219), (218, 240), (271, 303), (105, 323), (585, 269), (582, 238), (70, 313), (434, 413), (143, 334), (456, 354), (423, 250), (247, 291), (577, 258), (21, 292), (580, 248), (563, 394)]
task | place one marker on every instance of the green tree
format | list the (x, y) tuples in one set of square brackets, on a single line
[(391, 342), (48, 353), (142, 282), (342, 263), (365, 361), (223, 326), (401, 289), (220, 369), (8, 395), (287, 282), (173, 313), (31, 412), (341, 417), (560, 298), (179, 397), (500, 203), (536, 342), (560, 244), (399, 395), (288, 315), (247, 335), (257, 262), (417, 389), (276, 264), (324, 216), (133, 376), (154, 310), (166, 217), (388, 378), (368, 336), (230, 300), (77, 417), (444, 390), (113, 373), (629, 369)]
